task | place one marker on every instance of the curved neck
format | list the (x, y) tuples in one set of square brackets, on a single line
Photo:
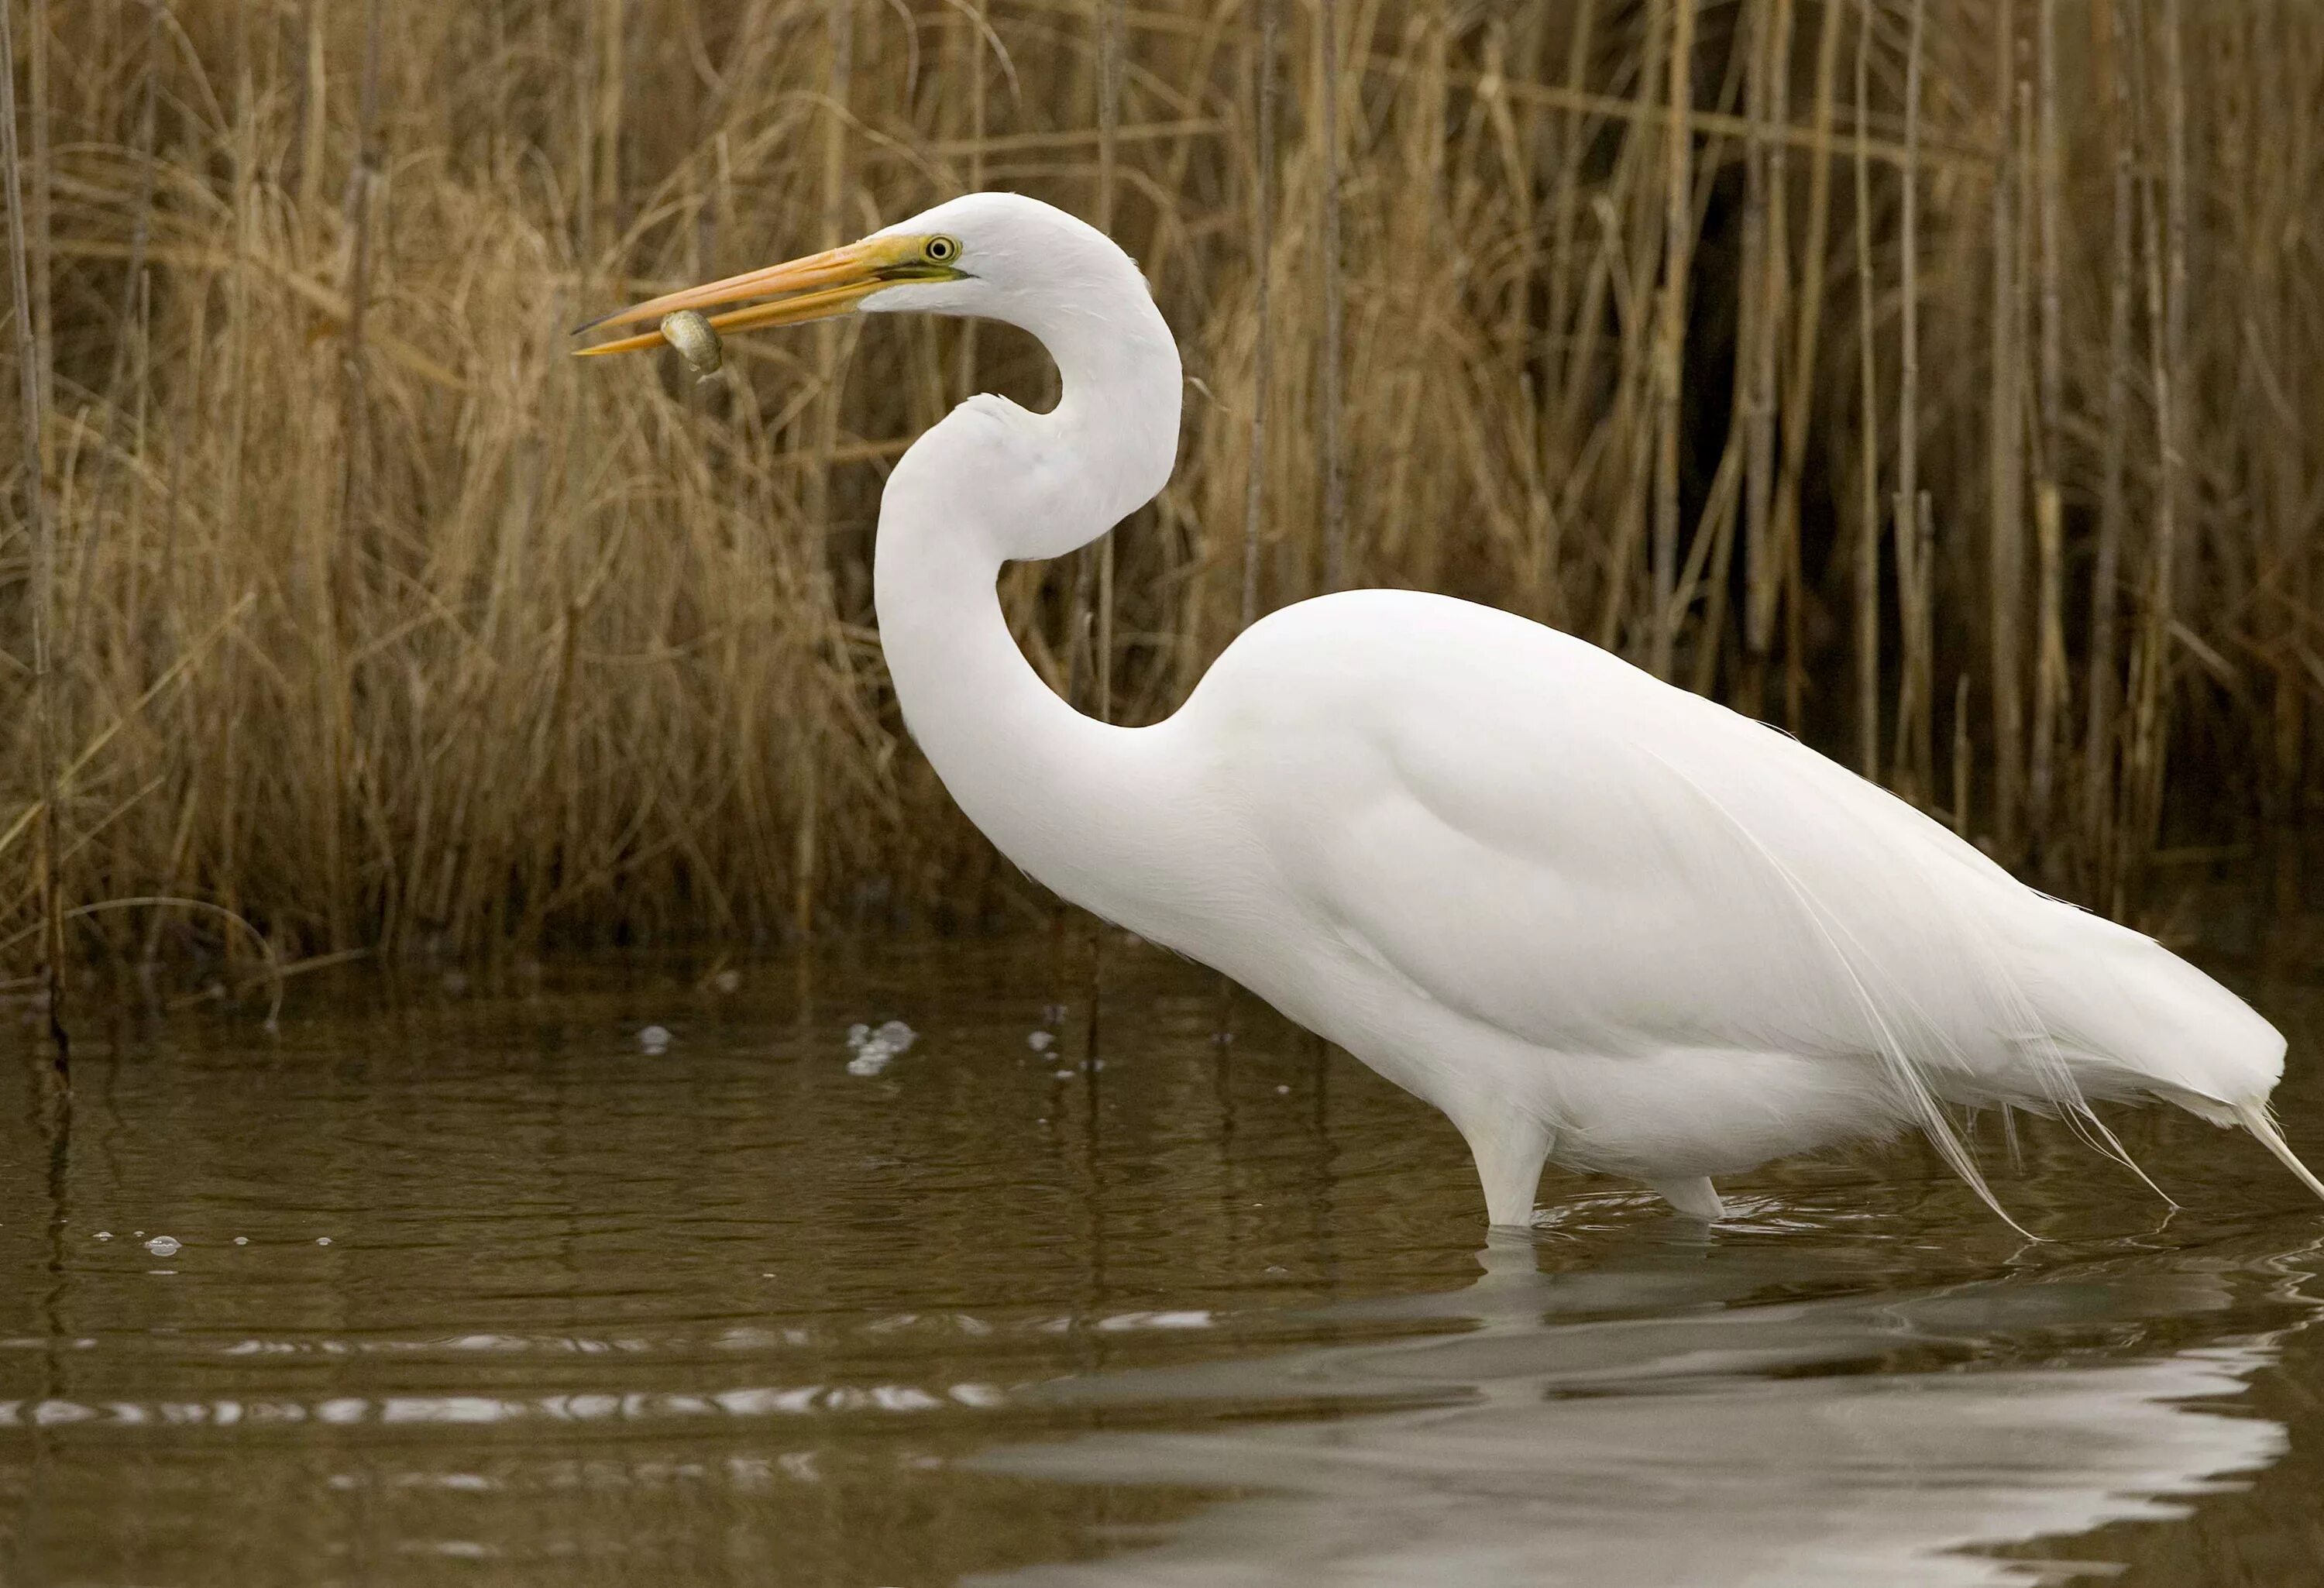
[(1068, 798)]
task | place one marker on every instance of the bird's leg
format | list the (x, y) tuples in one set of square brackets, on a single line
[(1697, 1198), (1509, 1149)]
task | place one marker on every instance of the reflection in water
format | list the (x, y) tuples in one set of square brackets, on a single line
[(1719, 1445), (491, 1290)]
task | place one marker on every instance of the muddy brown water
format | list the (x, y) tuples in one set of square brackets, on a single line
[(490, 1288)]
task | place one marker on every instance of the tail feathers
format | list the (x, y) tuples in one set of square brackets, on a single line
[(2254, 1117)]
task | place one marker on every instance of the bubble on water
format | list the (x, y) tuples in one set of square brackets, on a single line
[(242, 1240), (873, 1046), (726, 980), (322, 1240), (1283, 1091), (105, 1235), (163, 1245), (1064, 1074), (655, 1039), (1041, 1041)]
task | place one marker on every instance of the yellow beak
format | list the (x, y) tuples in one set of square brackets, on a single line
[(814, 288)]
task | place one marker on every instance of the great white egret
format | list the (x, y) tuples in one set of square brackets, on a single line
[(1594, 918)]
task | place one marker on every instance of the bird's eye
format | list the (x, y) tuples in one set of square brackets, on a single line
[(943, 250)]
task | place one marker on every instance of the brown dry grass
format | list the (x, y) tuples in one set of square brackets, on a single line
[(375, 620)]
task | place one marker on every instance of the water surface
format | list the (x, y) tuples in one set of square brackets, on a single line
[(636, 1276)]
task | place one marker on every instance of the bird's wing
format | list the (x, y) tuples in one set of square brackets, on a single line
[(1536, 834)]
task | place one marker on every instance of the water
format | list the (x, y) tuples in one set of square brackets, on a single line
[(459, 1288)]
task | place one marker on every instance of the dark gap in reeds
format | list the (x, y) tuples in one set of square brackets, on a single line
[(1822, 355)]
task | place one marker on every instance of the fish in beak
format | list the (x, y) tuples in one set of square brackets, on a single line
[(814, 288)]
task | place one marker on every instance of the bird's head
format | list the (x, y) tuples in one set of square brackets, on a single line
[(990, 255)]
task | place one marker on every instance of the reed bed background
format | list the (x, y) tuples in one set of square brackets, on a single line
[(1939, 381)]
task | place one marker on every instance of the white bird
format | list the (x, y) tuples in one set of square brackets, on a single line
[(1594, 918)]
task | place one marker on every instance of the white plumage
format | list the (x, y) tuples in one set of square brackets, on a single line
[(1587, 913), (1594, 918)]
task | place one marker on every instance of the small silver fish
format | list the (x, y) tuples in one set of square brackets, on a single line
[(697, 340)]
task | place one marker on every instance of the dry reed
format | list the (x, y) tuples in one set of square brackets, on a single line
[(369, 617), (40, 527)]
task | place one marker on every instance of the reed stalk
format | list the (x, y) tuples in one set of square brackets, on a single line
[(39, 204), (1108, 63), (807, 844), (1784, 531), (332, 583), (1964, 757), (1566, 209), (608, 104), (2006, 528), (47, 885), (1330, 351), (314, 95), (978, 29), (1751, 423), (1914, 759), (1670, 338), (2099, 754), (1262, 328), (2283, 176), (1799, 378), (1109, 137), (2050, 680), (1867, 462), (142, 222), (2166, 283)]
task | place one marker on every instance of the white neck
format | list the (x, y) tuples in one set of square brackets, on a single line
[(1072, 800)]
